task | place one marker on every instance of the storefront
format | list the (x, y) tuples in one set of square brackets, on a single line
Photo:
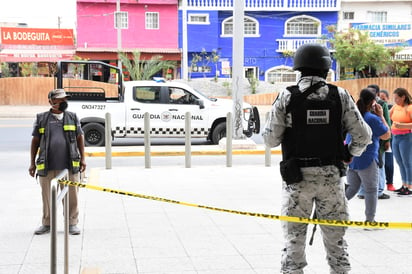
[(110, 56), (35, 48), (391, 35), (404, 55)]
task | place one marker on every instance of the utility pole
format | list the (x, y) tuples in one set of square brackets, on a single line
[(119, 32), (185, 73), (237, 67)]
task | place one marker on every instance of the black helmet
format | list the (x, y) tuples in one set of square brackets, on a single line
[(312, 56)]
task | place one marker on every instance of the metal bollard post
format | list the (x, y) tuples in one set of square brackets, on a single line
[(54, 200), (147, 159), (66, 230), (268, 151), (188, 150), (53, 228), (108, 141), (229, 136)]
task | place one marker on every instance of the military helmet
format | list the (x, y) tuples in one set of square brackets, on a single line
[(312, 56)]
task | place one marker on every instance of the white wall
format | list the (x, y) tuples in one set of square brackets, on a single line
[(397, 11)]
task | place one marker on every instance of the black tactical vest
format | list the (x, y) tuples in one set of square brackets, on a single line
[(69, 128), (316, 130)]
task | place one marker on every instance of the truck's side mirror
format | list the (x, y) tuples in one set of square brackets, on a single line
[(200, 103)]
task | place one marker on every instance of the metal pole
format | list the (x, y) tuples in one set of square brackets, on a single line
[(54, 200), (119, 33), (268, 151), (53, 228), (229, 137), (147, 162), (188, 151), (237, 66), (108, 141), (185, 61), (66, 230)]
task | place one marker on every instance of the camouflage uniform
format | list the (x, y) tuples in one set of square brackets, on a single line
[(321, 186)]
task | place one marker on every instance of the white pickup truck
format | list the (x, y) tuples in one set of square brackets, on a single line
[(166, 102)]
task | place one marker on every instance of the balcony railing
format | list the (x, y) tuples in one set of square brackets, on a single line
[(293, 44), (274, 5)]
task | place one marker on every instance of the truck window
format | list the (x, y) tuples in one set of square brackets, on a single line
[(146, 94), (181, 96)]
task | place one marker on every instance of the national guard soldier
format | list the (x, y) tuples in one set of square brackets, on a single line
[(309, 120)]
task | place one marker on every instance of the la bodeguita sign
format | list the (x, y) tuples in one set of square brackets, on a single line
[(31, 36)]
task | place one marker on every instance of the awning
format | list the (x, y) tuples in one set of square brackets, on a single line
[(173, 54), (148, 50), (404, 55), (30, 55)]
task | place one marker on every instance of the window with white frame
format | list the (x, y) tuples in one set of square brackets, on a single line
[(281, 74), (152, 20), (348, 15), (204, 69), (284, 74), (303, 25), (251, 27), (121, 20), (377, 16), (199, 19)]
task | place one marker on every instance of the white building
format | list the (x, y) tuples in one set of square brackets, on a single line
[(388, 22)]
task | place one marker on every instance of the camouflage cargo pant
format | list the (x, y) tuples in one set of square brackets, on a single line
[(321, 187)]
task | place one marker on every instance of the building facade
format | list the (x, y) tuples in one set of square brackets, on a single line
[(273, 30), (106, 27), (23, 45), (388, 22)]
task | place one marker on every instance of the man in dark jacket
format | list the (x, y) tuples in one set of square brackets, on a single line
[(58, 141)]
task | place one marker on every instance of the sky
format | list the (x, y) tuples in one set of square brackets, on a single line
[(39, 13)]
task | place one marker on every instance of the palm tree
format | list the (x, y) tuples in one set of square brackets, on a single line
[(144, 69)]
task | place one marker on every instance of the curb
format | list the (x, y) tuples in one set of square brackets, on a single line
[(180, 153), (21, 111)]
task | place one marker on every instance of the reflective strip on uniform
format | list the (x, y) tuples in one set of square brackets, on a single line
[(41, 130), (75, 163), (40, 167), (69, 127)]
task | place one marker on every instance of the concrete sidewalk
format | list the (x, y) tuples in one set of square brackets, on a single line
[(177, 150), (21, 111), (124, 234)]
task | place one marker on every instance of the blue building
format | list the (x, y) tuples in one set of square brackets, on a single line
[(273, 30)]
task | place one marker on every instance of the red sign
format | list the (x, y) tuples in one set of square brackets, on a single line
[(36, 56), (29, 36)]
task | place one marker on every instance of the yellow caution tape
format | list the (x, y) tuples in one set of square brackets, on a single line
[(348, 223)]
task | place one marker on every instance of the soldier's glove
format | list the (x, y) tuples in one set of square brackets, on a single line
[(347, 157)]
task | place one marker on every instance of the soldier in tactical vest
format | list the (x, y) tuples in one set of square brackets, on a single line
[(58, 142), (309, 120)]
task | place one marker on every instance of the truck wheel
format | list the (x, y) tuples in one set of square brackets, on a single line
[(218, 133), (93, 134)]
